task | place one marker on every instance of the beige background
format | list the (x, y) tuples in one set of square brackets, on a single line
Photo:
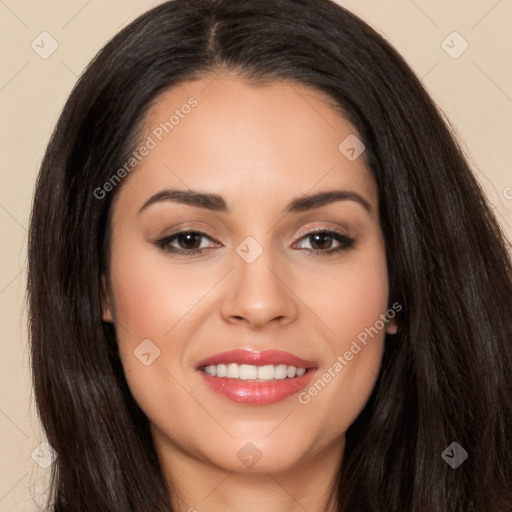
[(474, 90)]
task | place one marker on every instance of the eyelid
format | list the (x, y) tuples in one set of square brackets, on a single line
[(303, 232), (323, 228), (202, 228)]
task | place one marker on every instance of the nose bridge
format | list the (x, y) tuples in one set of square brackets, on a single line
[(257, 291)]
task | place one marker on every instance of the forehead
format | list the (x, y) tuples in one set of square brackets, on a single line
[(226, 136)]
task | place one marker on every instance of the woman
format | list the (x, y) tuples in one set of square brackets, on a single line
[(263, 276)]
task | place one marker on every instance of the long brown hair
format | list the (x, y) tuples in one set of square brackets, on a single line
[(446, 377)]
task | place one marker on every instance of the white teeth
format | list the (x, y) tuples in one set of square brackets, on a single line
[(251, 372), (266, 372), (247, 372), (280, 371), (233, 371), (291, 371)]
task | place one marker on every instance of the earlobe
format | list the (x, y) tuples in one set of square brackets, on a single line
[(392, 327), (106, 307)]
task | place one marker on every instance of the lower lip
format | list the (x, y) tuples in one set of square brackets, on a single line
[(257, 393)]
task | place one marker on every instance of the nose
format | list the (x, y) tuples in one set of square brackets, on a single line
[(258, 293)]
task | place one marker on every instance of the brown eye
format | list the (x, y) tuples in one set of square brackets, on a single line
[(184, 243), (321, 242), (190, 240)]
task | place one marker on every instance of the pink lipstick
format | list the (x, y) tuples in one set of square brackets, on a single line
[(256, 378)]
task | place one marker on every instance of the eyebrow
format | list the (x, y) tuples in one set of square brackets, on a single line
[(217, 203)]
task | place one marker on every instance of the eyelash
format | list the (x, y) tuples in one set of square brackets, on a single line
[(345, 243)]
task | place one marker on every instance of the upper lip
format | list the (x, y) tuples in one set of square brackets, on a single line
[(256, 358)]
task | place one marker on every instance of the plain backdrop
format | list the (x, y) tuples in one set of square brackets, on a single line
[(472, 85)]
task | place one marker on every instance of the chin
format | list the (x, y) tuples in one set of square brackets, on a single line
[(271, 454)]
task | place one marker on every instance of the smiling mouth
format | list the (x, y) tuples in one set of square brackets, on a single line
[(255, 378), (249, 372)]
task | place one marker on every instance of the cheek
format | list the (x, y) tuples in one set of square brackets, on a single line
[(361, 298), (152, 302), (350, 303), (155, 303), (350, 298), (153, 294)]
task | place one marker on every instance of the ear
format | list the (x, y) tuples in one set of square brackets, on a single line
[(392, 326), (106, 302)]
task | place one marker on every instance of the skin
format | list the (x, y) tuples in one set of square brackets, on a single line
[(259, 148)]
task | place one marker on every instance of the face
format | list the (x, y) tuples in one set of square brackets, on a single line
[(252, 339)]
